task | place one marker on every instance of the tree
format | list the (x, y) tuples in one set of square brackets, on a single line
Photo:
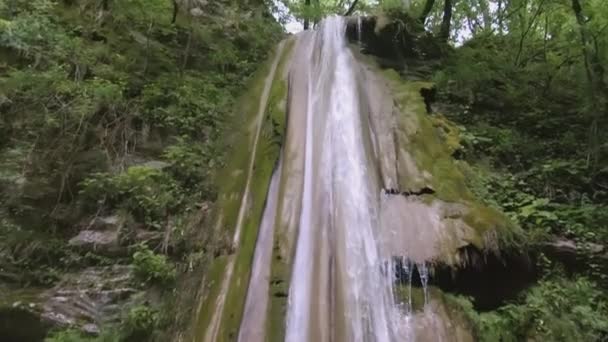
[(428, 6), (595, 73), (444, 33), (307, 19)]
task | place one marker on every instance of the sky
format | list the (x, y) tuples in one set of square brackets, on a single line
[(291, 25)]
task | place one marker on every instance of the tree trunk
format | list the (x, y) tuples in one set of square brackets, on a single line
[(307, 18), (500, 17), (187, 51), (352, 8), (485, 11), (428, 6), (444, 33), (595, 76), (175, 10)]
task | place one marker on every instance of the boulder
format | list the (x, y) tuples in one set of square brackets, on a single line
[(99, 241), (105, 223), (105, 236), (576, 256)]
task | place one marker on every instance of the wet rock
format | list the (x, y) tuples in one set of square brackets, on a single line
[(440, 320)]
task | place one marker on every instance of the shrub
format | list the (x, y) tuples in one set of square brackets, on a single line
[(151, 267), (190, 164), (145, 192), (73, 335), (553, 310), (140, 323)]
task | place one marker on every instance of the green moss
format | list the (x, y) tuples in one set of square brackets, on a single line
[(214, 280), (233, 185), (449, 132), (494, 228), (431, 140), (423, 140), (232, 182), (266, 159), (279, 289)]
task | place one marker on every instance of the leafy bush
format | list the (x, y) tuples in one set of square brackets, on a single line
[(153, 268), (553, 310), (140, 323), (70, 335), (146, 192), (73, 335), (190, 105), (190, 164)]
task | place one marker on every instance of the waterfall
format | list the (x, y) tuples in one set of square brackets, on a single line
[(341, 176), (353, 245)]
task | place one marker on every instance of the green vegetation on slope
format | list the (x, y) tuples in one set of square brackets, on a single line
[(113, 108), (526, 90)]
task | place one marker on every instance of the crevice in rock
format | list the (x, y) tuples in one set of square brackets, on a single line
[(429, 95), (489, 279), (281, 294), (424, 191)]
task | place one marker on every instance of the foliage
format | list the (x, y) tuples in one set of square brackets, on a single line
[(153, 268), (553, 310), (146, 192), (190, 164), (140, 323), (191, 105), (85, 91), (72, 335)]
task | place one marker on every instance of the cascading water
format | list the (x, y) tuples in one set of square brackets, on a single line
[(342, 282), (334, 225), (338, 172)]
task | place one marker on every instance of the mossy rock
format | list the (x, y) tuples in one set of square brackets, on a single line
[(232, 188), (431, 140)]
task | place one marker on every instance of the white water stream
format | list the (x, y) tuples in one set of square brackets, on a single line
[(339, 174), (353, 248)]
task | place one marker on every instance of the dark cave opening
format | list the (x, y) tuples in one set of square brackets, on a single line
[(490, 280)]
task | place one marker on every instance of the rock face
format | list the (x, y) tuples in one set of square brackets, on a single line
[(103, 242), (89, 298), (103, 236), (577, 256), (352, 130), (83, 300)]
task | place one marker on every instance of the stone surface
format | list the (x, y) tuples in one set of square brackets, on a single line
[(103, 242), (89, 298), (85, 300), (570, 247), (105, 223)]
